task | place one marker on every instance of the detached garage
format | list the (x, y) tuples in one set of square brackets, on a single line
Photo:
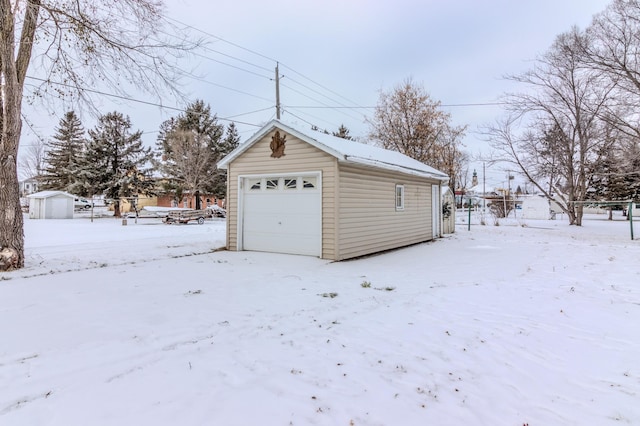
[(297, 191), (51, 205)]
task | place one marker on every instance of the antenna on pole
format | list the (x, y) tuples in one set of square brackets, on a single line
[(277, 92)]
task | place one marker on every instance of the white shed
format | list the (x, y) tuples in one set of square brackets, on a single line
[(536, 207), (51, 205)]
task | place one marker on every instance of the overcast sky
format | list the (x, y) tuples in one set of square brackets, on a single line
[(341, 53)]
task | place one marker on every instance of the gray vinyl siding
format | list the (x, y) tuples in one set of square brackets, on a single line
[(368, 221), (299, 157)]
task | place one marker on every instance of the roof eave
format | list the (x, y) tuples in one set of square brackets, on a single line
[(397, 168)]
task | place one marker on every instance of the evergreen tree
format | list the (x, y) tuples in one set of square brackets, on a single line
[(188, 148), (343, 133), (115, 162), (631, 172), (63, 155), (230, 142), (607, 182), (616, 175)]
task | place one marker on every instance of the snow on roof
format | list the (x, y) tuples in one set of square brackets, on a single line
[(343, 150), (48, 194)]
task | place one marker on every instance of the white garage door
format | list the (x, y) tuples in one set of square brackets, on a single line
[(58, 208), (282, 214)]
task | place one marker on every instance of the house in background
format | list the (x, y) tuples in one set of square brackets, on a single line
[(188, 201), (51, 205), (28, 186), (293, 190)]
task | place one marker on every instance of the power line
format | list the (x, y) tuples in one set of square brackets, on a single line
[(317, 84), (221, 53), (127, 98), (226, 87), (250, 112), (231, 65), (215, 60), (220, 38), (270, 59), (300, 118), (373, 107), (340, 105)]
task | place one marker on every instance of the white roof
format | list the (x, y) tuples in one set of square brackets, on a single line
[(48, 194), (344, 150)]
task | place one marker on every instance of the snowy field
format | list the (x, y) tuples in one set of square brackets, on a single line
[(529, 323)]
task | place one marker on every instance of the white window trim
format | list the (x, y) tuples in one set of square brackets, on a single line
[(399, 206)]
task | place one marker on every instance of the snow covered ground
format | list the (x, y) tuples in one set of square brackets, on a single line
[(533, 322)]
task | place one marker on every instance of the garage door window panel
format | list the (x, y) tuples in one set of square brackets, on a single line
[(271, 184), (309, 183), (255, 184), (290, 183)]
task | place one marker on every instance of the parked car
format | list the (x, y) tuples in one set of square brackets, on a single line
[(81, 203)]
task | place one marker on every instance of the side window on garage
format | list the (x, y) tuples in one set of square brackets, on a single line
[(399, 197)]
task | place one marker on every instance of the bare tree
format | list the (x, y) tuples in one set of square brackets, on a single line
[(189, 146), (450, 158), (32, 161), (612, 47), (553, 133), (78, 44), (189, 161), (407, 120)]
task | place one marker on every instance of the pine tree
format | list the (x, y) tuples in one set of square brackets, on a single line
[(613, 174), (115, 162), (631, 172), (188, 149), (63, 154), (343, 133), (230, 142)]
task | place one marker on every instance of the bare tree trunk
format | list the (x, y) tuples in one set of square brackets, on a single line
[(116, 208), (579, 214), (12, 74), (82, 47), (11, 222)]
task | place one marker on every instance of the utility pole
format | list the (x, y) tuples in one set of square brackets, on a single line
[(512, 202), (277, 92), (484, 188)]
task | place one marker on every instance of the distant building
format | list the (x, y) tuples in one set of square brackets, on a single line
[(28, 186), (51, 205)]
